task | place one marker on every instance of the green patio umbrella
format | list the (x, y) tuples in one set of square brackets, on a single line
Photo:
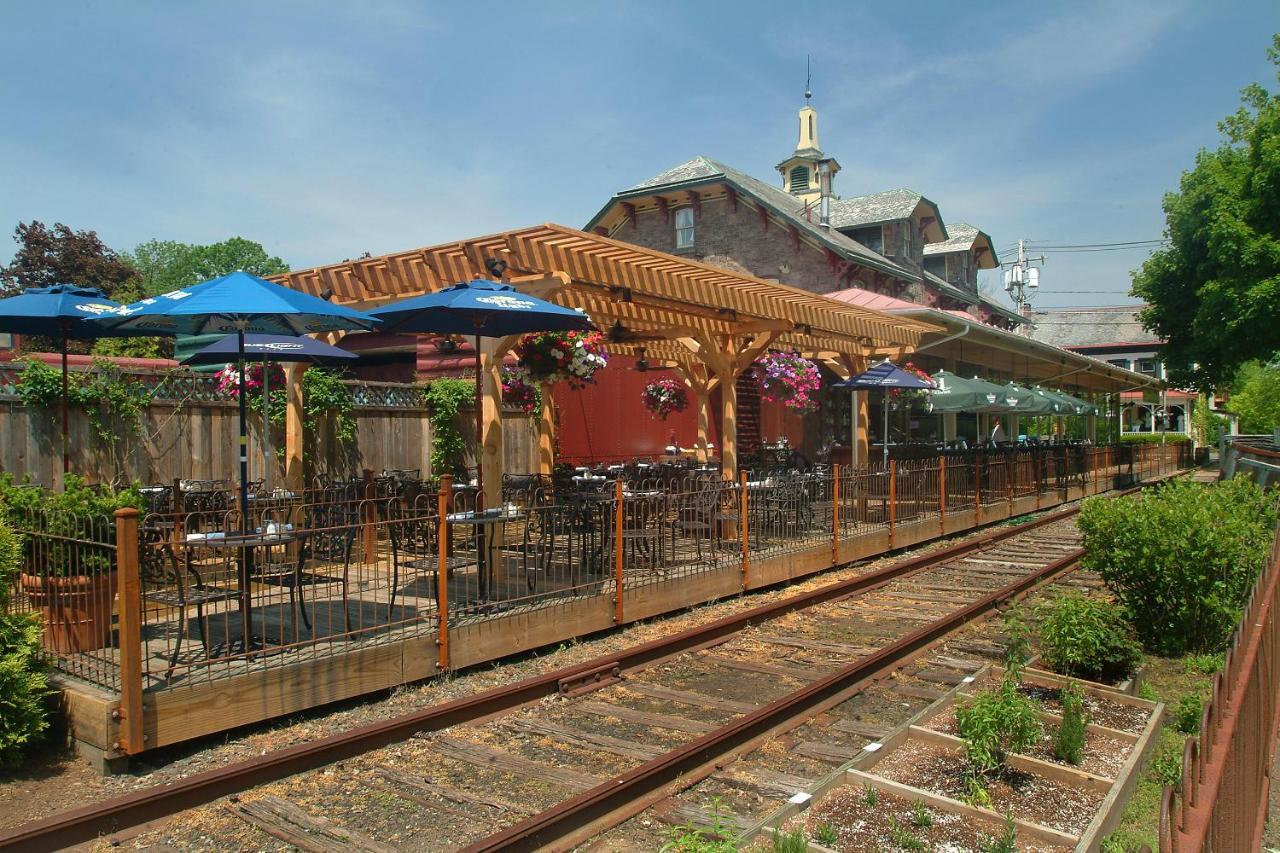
[(1082, 407), (1021, 400), (958, 394), (1062, 405)]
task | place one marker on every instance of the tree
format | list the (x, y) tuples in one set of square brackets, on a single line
[(1255, 397), (165, 265), (1213, 294), (59, 255)]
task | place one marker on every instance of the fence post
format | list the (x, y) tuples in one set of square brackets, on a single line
[(942, 495), (617, 550), (742, 531), (835, 515), (442, 572), (131, 736), (1010, 471), (1037, 460), (977, 491), (893, 498)]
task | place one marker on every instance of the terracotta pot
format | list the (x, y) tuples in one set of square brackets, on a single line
[(77, 609)]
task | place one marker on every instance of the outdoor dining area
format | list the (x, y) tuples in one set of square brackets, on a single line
[(160, 597)]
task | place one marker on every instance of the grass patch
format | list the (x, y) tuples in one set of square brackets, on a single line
[(1166, 680)]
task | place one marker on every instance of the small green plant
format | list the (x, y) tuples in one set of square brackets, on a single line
[(975, 791), (869, 794), (1007, 842), (719, 837), (1087, 638), (1146, 691), (1166, 767), (903, 837), (1186, 718), (994, 723), (1204, 664), (789, 842), (1017, 642), (826, 835), (444, 399), (1068, 741), (920, 816), (1112, 844)]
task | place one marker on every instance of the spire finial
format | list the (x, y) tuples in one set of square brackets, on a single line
[(807, 78)]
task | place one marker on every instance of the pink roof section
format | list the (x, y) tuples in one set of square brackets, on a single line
[(879, 302)]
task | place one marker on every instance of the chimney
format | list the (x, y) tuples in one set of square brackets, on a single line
[(825, 173)]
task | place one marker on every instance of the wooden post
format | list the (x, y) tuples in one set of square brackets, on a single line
[(442, 571), (942, 495), (893, 498), (977, 490), (1010, 471), (547, 434), (743, 525), (132, 740), (835, 515), (728, 426), (369, 527), (1037, 459), (490, 439), (294, 432), (862, 434), (703, 401), (617, 551)]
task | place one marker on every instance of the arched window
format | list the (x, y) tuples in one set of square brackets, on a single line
[(799, 178), (684, 228)]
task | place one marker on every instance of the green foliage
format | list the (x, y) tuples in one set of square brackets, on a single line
[(1204, 664), (1213, 293), (1007, 842), (444, 399), (77, 525), (1255, 397), (719, 837), (920, 816), (903, 837), (869, 794), (789, 842), (1017, 642), (1068, 740), (975, 791), (1186, 717), (10, 562), (1207, 426), (1112, 844), (1181, 558), (326, 396), (23, 688), (994, 723), (1166, 767), (112, 402), (166, 265), (826, 835), (1146, 691), (1086, 638), (1151, 437)]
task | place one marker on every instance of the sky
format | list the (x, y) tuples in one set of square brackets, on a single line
[(326, 130)]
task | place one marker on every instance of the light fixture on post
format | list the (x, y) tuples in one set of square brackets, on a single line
[(496, 267), (642, 363)]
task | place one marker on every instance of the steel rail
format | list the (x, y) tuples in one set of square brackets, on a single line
[(574, 820), (151, 804)]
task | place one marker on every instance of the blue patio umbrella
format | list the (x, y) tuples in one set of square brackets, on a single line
[(267, 349), (237, 304), (483, 309), (886, 376), (56, 312)]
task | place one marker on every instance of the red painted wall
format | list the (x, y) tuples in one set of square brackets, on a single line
[(606, 420)]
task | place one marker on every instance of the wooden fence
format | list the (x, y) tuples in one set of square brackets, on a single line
[(195, 437)]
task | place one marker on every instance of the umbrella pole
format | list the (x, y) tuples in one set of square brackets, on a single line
[(244, 439), (66, 458), (266, 427), (884, 407)]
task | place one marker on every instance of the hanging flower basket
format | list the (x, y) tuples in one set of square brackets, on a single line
[(900, 396), (573, 357), (664, 397), (519, 394), (229, 378), (789, 379)]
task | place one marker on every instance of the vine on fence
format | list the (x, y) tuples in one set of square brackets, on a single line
[(444, 398), (109, 399)]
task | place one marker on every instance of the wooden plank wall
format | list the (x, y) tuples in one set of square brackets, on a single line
[(199, 440)]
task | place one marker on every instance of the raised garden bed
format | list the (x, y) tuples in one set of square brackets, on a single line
[(918, 775)]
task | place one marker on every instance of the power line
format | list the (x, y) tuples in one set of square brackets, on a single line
[(1045, 245)]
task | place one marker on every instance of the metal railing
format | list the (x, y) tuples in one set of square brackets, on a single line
[(336, 569), (1222, 801)]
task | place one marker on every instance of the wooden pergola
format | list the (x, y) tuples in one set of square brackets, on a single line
[(707, 323)]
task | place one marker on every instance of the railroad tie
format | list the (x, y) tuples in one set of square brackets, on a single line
[(480, 755), (283, 820)]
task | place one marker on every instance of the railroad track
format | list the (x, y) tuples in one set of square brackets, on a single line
[(747, 709)]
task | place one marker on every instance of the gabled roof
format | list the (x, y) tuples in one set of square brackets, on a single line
[(704, 170), (961, 238), (876, 208), (1114, 325)]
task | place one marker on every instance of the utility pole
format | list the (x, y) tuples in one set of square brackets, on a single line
[(1021, 278)]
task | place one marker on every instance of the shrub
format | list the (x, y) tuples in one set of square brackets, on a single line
[(789, 842), (66, 520), (1151, 437), (1006, 843), (994, 723), (1203, 664), (1186, 718), (1166, 767), (1086, 638), (22, 687), (1017, 645), (1181, 558), (1068, 741)]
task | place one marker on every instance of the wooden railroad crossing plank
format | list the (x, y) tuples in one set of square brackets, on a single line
[(283, 820), (867, 730), (504, 762), (837, 753)]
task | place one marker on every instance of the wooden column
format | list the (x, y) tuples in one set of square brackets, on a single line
[(490, 449), (702, 399), (862, 435), (294, 434), (728, 426), (131, 737), (547, 434)]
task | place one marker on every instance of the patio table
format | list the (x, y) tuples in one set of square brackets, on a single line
[(245, 545), (483, 523)]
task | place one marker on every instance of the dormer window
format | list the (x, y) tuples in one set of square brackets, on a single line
[(800, 178), (684, 228)]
